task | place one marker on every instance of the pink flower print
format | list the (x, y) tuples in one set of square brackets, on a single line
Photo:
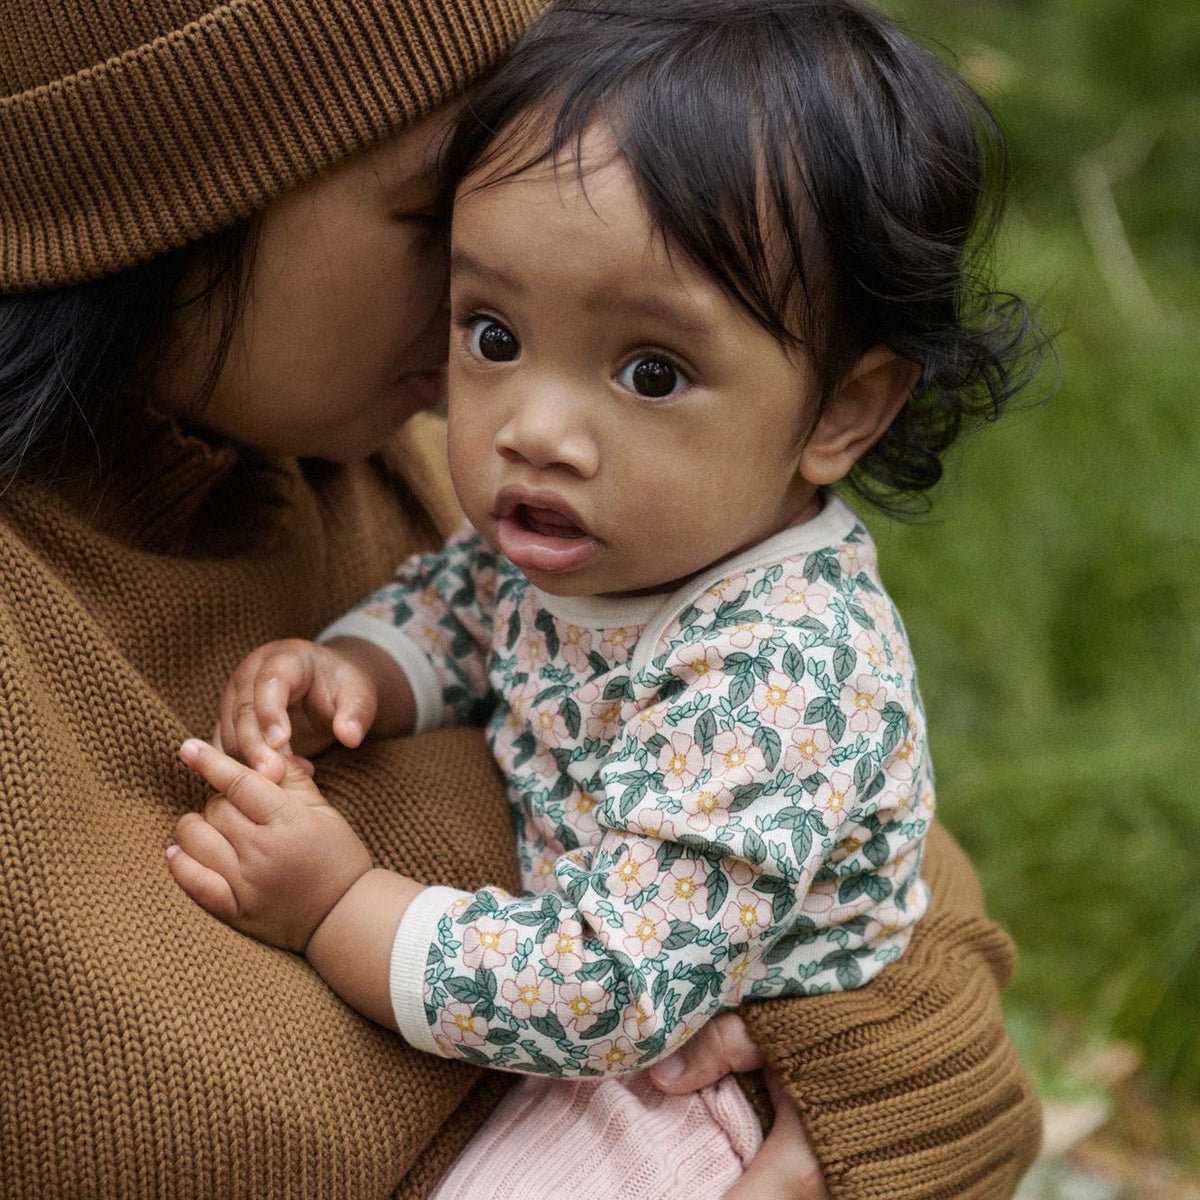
[(579, 811), (617, 644), (645, 722), (706, 806), (501, 616), (527, 995), (429, 603), (735, 758), (579, 1005), (779, 700), (541, 873), (807, 752), (460, 1027), (796, 597), (718, 593), (901, 766), (701, 667), (877, 608), (821, 900), (633, 871), (684, 891), (680, 761), (870, 645), (740, 872), (563, 948), (651, 822), (548, 724), (531, 653), (834, 798), (645, 931), (433, 639), (638, 1021), (604, 718), (613, 1054), (743, 970), (488, 943), (852, 558), (747, 636), (575, 646), (862, 701), (746, 916), (381, 609)]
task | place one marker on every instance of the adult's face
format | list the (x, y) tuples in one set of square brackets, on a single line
[(342, 334)]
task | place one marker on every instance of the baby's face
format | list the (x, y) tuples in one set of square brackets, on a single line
[(617, 422)]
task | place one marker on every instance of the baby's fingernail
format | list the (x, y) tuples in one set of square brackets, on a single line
[(189, 749), (171, 852), (668, 1070), (276, 735)]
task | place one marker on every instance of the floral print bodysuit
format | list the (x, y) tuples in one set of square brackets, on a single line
[(718, 793)]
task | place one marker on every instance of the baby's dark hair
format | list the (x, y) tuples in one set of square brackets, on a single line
[(836, 178)]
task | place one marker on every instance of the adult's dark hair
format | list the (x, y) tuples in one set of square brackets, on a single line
[(837, 178), (68, 356)]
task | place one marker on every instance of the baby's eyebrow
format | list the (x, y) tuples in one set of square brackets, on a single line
[(462, 263), (656, 309)]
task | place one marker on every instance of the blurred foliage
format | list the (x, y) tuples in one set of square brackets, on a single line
[(1052, 596)]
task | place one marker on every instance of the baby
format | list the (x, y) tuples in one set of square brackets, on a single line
[(707, 261)]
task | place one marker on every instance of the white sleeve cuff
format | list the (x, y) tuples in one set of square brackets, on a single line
[(410, 954), (405, 653)]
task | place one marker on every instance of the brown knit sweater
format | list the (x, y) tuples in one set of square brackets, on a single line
[(151, 1052)]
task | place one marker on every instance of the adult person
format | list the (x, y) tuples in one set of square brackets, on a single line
[(222, 319)]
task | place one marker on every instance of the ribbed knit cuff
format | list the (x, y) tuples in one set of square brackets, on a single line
[(118, 160), (405, 653), (909, 1088), (410, 954)]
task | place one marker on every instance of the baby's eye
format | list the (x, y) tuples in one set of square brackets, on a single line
[(654, 378), (492, 341)]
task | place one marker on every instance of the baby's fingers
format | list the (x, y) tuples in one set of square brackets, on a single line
[(208, 888), (251, 793)]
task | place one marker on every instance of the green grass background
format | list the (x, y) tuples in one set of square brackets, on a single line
[(1052, 595)]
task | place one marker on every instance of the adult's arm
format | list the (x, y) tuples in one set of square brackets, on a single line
[(909, 1087)]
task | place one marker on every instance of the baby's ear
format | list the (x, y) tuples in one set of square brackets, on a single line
[(858, 413)]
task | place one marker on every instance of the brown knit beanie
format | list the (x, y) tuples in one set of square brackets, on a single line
[(131, 127)]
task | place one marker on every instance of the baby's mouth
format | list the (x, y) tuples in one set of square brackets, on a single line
[(542, 538), (548, 522)]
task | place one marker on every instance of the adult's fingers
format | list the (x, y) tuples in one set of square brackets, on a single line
[(786, 1166), (721, 1046)]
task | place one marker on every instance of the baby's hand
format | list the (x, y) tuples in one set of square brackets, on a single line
[(293, 698), (269, 859)]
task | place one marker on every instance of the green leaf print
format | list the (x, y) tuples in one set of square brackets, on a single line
[(824, 711), (844, 660), (599, 664), (549, 1025), (876, 850), (718, 889), (683, 934), (605, 1024), (544, 622), (767, 740), (704, 731)]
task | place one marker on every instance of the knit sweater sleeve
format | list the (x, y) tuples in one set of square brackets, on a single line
[(909, 1087)]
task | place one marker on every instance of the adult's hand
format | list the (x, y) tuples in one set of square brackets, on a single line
[(785, 1167)]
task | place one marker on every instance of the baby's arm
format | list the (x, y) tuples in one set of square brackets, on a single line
[(277, 862), (298, 697)]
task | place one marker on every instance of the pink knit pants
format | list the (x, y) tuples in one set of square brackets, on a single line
[(606, 1139)]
